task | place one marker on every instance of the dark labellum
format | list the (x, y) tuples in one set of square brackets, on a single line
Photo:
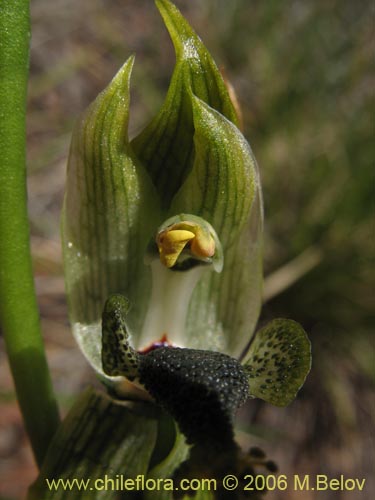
[(201, 389)]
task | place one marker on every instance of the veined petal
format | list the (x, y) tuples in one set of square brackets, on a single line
[(223, 188), (222, 184), (110, 211), (165, 146)]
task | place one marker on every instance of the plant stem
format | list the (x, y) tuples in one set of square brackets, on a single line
[(19, 316)]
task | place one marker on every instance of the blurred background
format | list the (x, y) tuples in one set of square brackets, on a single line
[(304, 77)]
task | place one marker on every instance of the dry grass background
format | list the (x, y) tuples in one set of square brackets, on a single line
[(303, 74)]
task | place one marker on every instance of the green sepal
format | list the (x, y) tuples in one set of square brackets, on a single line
[(223, 188), (278, 361), (165, 146), (222, 183), (110, 212)]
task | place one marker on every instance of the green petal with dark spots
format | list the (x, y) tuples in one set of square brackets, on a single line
[(165, 146), (110, 213), (278, 361), (118, 357)]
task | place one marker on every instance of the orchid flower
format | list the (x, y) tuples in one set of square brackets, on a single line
[(172, 220)]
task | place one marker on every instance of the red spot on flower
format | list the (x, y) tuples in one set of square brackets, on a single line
[(163, 342)]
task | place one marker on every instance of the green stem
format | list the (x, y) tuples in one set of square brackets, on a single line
[(19, 317)]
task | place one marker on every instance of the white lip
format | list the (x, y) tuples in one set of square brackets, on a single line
[(169, 304)]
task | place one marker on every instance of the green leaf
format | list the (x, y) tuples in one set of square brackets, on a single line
[(110, 212), (278, 361), (99, 438), (166, 468), (223, 187), (165, 146)]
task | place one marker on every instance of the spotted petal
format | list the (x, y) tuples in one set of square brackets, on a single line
[(278, 362)]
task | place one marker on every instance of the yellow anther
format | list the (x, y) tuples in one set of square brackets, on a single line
[(171, 243), (177, 237), (203, 245)]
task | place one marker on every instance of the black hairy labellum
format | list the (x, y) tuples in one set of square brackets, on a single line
[(200, 389)]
